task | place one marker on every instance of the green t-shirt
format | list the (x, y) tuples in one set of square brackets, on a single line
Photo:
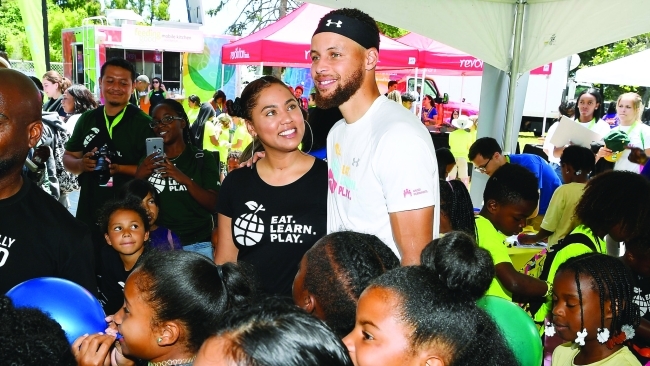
[(570, 251), (192, 113), (179, 211), (490, 239), (210, 130), (129, 137), (459, 143), (241, 133)]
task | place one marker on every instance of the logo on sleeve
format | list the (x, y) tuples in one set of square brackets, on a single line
[(249, 228)]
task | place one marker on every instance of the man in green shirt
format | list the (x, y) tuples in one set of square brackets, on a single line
[(117, 126)]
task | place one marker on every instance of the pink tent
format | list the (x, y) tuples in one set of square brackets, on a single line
[(287, 43), (441, 59)]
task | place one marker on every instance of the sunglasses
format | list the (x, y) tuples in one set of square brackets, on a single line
[(164, 121), (483, 168), (156, 82)]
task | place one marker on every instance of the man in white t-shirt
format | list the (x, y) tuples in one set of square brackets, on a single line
[(373, 187)]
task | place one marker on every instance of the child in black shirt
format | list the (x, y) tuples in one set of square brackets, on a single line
[(126, 229)]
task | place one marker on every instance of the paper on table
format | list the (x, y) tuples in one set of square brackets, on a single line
[(568, 131)]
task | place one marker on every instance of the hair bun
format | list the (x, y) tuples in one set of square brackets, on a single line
[(238, 108)]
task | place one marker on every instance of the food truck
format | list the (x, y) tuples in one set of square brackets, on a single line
[(186, 58)]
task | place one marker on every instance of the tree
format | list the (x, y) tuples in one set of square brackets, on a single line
[(256, 14), (390, 31), (150, 10), (614, 51)]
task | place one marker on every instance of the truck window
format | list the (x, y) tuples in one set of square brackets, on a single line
[(428, 87)]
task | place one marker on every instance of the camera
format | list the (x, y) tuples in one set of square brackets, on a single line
[(103, 156)]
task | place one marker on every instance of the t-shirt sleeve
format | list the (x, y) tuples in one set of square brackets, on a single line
[(549, 136), (78, 262), (554, 211), (209, 129), (433, 112), (645, 137), (75, 142), (407, 183), (210, 172), (224, 203), (493, 243)]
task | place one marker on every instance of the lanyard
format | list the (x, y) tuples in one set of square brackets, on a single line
[(117, 120), (641, 134), (591, 123)]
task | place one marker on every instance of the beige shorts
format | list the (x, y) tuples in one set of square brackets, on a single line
[(460, 170)]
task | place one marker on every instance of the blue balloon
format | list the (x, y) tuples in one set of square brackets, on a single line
[(72, 306)]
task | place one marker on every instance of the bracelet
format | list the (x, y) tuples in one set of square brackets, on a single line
[(549, 290)]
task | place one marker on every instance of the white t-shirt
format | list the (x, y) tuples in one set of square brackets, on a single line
[(635, 134), (601, 127), (370, 176)]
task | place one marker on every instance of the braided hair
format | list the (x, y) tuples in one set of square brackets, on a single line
[(456, 203), (180, 112), (339, 267), (613, 281), (613, 198), (581, 159)]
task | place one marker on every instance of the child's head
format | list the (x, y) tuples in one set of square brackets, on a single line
[(408, 317), (616, 203), (637, 255), (144, 192), (30, 337), (510, 197), (589, 105), (125, 226), (446, 162), (576, 161), (458, 260), (456, 209), (273, 333), (593, 291), (177, 299), (334, 272)]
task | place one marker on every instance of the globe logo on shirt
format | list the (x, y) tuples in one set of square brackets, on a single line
[(158, 182), (91, 135), (249, 228)]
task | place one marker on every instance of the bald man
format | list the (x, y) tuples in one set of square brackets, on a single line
[(38, 236)]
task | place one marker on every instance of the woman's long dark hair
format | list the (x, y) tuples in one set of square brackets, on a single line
[(180, 112)]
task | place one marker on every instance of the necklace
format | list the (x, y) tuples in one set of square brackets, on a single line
[(187, 361)]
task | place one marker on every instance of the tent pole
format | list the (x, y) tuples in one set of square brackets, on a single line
[(424, 71), (223, 72), (548, 77), (508, 140), (462, 86)]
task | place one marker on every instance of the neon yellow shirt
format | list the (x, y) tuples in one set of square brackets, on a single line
[(490, 239), (559, 218), (459, 143), (224, 137), (210, 130), (192, 113), (241, 133)]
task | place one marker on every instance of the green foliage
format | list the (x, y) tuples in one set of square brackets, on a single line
[(150, 10), (390, 31), (256, 14), (614, 51)]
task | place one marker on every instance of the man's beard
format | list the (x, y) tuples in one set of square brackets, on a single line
[(342, 93), (7, 164)]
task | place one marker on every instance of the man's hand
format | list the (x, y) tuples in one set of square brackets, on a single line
[(257, 156), (637, 156), (89, 161)]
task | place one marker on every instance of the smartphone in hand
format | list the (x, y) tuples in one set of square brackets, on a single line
[(154, 145)]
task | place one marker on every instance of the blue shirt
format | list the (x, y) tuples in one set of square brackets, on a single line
[(546, 177)]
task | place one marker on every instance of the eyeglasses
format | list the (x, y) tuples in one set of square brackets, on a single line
[(156, 82), (164, 121), (483, 168)]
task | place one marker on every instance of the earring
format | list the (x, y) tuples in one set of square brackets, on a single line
[(159, 339), (253, 150), (312, 136), (549, 329), (580, 339), (603, 335)]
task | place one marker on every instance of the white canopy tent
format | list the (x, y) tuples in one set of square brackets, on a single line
[(630, 70), (517, 35)]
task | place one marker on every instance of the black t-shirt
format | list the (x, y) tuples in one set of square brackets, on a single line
[(40, 238), (111, 279), (273, 226), (155, 97), (642, 299)]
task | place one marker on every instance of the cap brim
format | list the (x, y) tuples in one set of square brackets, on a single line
[(4, 63)]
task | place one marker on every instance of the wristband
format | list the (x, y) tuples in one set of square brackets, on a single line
[(549, 290)]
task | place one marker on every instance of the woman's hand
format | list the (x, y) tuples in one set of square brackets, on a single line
[(93, 350), (637, 156), (149, 166), (604, 152), (167, 169), (526, 239)]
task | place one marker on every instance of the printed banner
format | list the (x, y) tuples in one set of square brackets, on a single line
[(32, 14)]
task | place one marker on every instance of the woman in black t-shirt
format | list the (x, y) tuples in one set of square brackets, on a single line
[(272, 213), (157, 93)]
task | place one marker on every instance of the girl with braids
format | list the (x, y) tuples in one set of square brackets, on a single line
[(186, 178), (594, 311), (576, 164), (456, 209), (637, 260), (271, 213), (173, 302), (418, 315), (604, 209), (334, 272)]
